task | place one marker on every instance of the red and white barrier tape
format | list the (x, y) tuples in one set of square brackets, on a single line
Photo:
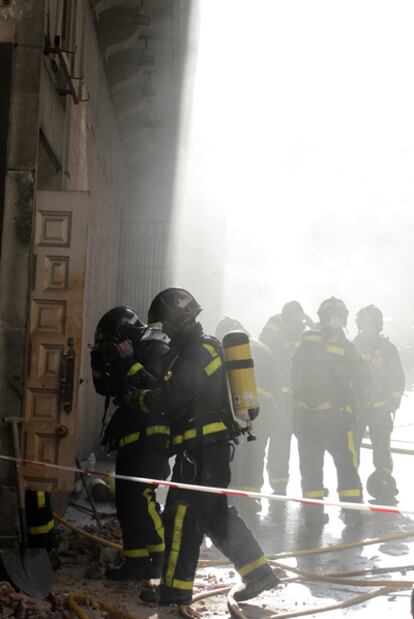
[(363, 507)]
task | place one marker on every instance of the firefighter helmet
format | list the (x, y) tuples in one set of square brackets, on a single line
[(330, 308), (175, 307), (382, 486), (293, 312), (372, 316), (226, 325), (119, 324)]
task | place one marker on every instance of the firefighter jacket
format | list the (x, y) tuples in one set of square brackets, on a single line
[(387, 375), (283, 340), (195, 396), (142, 370), (267, 376), (327, 371)]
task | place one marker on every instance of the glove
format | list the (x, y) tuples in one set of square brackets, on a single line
[(134, 397)]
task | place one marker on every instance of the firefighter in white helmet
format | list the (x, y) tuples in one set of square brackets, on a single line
[(381, 399), (327, 374), (282, 334)]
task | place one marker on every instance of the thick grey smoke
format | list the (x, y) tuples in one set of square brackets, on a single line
[(297, 168)]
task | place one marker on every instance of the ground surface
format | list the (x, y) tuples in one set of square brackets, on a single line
[(280, 527)]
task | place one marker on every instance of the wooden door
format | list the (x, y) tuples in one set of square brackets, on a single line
[(56, 319)]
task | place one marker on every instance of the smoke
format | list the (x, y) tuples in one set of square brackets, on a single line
[(297, 159)]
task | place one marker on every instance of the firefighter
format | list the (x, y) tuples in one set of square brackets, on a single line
[(327, 374), (127, 352), (282, 334), (40, 524), (247, 467), (196, 401), (381, 399)]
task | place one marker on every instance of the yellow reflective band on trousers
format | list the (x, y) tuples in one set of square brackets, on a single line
[(186, 585), (396, 394), (129, 438), (286, 390), (42, 530), (265, 394), (153, 548), (141, 401), (134, 369), (336, 350), (176, 545), (250, 567), (351, 447), (354, 492), (379, 404), (210, 428), (313, 494), (41, 499), (151, 430), (348, 409), (136, 553), (156, 519), (250, 488)]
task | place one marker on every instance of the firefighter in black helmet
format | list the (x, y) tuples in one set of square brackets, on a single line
[(282, 334), (196, 401), (327, 373), (127, 352), (381, 399)]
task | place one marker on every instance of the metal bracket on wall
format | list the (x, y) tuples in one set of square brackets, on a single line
[(62, 55)]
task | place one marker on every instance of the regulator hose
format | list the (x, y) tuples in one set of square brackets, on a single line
[(340, 578), (73, 598)]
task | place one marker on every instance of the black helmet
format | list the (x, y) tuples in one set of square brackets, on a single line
[(372, 315), (119, 324), (332, 307), (226, 325), (382, 485), (293, 311), (175, 307)]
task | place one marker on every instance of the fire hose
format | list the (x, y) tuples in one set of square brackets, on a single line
[(384, 587)]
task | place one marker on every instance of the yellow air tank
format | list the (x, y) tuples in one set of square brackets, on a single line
[(240, 373), (102, 489)]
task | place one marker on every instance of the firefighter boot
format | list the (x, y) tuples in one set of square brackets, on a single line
[(128, 570), (252, 588)]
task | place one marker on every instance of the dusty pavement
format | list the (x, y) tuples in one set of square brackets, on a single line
[(280, 528)]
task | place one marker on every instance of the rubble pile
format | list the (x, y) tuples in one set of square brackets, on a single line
[(14, 605), (73, 549)]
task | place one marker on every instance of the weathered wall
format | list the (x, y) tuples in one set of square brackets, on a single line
[(79, 149), (95, 163), (21, 23)]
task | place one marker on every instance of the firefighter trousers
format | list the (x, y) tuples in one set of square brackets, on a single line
[(328, 430), (188, 516), (279, 446), (39, 519), (248, 462), (137, 508), (379, 423)]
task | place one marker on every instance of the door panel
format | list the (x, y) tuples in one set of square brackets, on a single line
[(56, 318)]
